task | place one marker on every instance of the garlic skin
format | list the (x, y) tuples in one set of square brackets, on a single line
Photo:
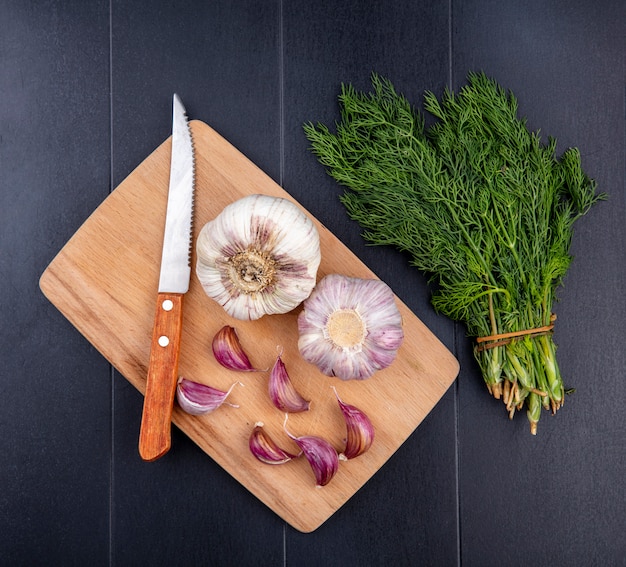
[(199, 399), (228, 351), (359, 430), (282, 392), (259, 256), (350, 327), (263, 447)]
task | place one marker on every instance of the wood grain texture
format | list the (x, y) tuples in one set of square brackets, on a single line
[(104, 281), (155, 433)]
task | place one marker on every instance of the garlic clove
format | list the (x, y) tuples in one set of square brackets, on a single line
[(320, 454), (259, 256), (359, 430), (263, 447), (350, 327), (199, 399), (228, 351), (282, 392)]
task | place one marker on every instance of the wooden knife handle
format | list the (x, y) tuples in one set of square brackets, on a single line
[(155, 435)]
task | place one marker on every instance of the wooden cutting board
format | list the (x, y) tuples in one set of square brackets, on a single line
[(105, 282)]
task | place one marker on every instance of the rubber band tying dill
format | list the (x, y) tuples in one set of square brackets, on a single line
[(502, 339)]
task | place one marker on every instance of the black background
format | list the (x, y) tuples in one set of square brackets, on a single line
[(85, 91)]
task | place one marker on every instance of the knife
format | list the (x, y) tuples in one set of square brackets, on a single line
[(155, 433)]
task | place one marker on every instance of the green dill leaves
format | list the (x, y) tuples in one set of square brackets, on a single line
[(480, 204)]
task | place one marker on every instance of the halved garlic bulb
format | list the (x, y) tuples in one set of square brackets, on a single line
[(350, 327), (258, 256)]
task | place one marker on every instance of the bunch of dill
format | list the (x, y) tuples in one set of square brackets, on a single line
[(479, 204)]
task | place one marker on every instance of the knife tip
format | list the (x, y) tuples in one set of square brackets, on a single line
[(178, 105)]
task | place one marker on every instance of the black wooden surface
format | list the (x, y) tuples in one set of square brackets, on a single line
[(86, 95)]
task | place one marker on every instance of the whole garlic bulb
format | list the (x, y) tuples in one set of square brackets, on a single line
[(350, 327), (258, 257)]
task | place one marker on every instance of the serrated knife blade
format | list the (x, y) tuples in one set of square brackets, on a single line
[(155, 433)]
